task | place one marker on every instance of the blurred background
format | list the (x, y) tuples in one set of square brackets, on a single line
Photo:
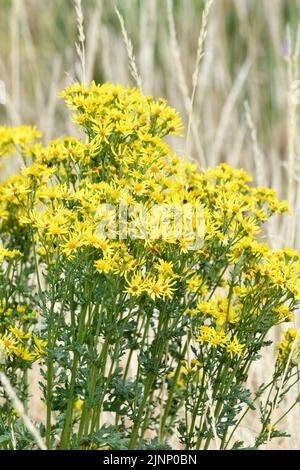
[(245, 99)]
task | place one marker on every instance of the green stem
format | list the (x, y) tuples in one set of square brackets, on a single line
[(69, 413), (135, 432), (170, 397), (49, 379)]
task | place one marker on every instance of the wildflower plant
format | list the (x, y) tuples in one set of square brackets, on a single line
[(145, 321)]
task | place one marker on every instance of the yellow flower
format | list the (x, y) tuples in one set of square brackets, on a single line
[(55, 229), (191, 312), (103, 265), (10, 137), (209, 335), (289, 348), (165, 267), (21, 309), (194, 283), (235, 347), (7, 343), (218, 339), (71, 246), (78, 404), (4, 253), (160, 287), (136, 285), (23, 353), (39, 347), (19, 334)]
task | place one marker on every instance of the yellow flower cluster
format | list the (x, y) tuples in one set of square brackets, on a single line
[(160, 286), (109, 110), (289, 348), (69, 188), (18, 341), (186, 372), (11, 137), (4, 253), (219, 339)]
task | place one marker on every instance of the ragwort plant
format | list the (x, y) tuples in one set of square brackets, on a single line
[(141, 337)]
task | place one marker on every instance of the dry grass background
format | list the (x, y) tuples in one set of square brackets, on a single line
[(235, 68)]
